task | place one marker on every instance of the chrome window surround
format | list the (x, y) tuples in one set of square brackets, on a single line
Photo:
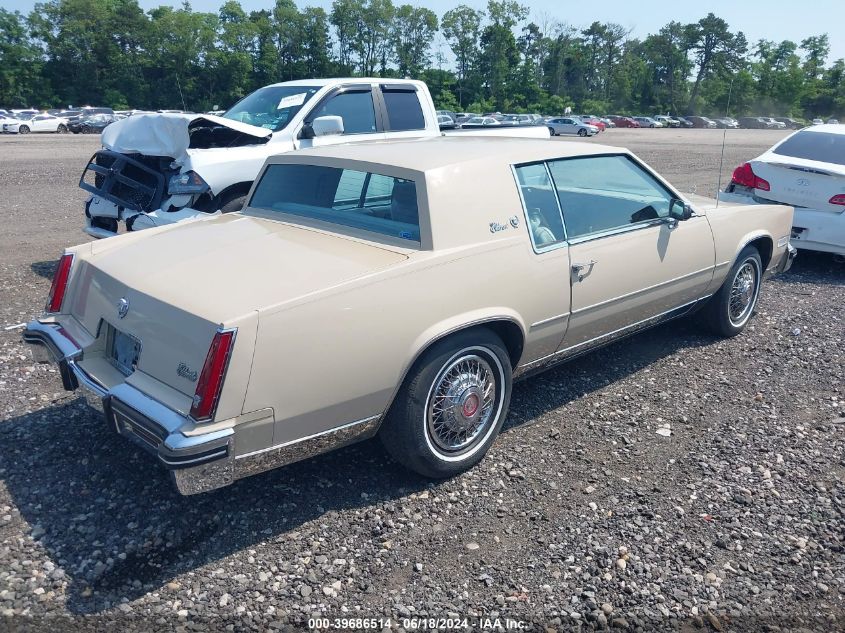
[(568, 241)]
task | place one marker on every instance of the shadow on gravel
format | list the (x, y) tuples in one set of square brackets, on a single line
[(813, 267), (45, 269), (109, 517)]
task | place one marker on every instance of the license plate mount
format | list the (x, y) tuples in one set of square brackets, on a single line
[(123, 350)]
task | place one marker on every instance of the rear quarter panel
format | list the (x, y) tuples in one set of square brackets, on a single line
[(736, 225)]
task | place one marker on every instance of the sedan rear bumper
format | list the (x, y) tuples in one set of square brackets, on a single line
[(197, 463)]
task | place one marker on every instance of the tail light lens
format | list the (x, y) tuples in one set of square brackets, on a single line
[(839, 199), (60, 279), (745, 176), (213, 374)]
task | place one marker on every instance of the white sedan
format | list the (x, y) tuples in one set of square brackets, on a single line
[(37, 123), (805, 170), (571, 125)]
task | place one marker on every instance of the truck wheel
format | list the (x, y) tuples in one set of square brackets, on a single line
[(232, 202), (451, 406), (23, 129), (728, 311), (582, 132)]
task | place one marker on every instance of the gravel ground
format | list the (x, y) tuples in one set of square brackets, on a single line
[(583, 516)]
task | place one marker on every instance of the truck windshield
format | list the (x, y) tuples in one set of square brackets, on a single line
[(272, 107)]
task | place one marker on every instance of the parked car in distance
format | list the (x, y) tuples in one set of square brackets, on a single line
[(517, 119), (818, 121), (594, 121), (92, 124), (570, 125), (726, 123), (805, 170), (752, 123), (585, 243), (701, 122), (646, 121), (480, 121), (446, 122), (625, 121), (667, 121), (774, 123), (792, 124), (833, 121), (607, 122), (26, 123), (684, 121)]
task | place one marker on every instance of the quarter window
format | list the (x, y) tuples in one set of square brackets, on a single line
[(356, 110), (541, 208), (601, 193)]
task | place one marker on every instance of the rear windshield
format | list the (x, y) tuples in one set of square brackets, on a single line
[(362, 200), (821, 146)]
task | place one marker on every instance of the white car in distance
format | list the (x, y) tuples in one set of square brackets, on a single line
[(570, 125), (36, 123)]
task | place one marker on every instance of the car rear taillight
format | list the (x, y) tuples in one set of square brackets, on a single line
[(60, 279), (745, 176), (213, 373), (839, 199)]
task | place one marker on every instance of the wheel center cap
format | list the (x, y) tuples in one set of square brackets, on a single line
[(470, 405)]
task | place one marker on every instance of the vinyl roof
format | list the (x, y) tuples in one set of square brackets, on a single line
[(441, 151)]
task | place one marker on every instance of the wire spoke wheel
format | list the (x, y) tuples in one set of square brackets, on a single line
[(743, 293), (463, 403)]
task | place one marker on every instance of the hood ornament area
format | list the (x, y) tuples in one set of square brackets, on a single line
[(123, 307)]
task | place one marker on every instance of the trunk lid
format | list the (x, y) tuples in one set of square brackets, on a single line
[(183, 282), (800, 182)]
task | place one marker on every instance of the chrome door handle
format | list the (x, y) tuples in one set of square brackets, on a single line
[(579, 269)]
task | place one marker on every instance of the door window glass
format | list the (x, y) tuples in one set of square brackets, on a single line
[(541, 208), (600, 193), (403, 110), (356, 110)]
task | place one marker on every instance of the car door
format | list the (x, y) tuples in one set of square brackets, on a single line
[(43, 123), (629, 261), (354, 103)]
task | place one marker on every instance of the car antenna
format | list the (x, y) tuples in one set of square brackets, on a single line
[(181, 96), (724, 135)]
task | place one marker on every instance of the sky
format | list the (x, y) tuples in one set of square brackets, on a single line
[(773, 19)]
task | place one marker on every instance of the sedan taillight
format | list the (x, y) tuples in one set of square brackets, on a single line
[(211, 379), (745, 176), (839, 199), (59, 286)]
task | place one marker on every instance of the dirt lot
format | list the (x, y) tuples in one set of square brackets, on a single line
[(581, 517)]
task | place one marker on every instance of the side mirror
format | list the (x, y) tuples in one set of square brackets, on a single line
[(679, 210), (327, 125)]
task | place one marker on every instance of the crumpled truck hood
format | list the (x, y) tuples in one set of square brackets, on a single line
[(167, 134)]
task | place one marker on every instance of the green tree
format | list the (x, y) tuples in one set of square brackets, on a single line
[(21, 66), (499, 60), (461, 28), (412, 32), (715, 50)]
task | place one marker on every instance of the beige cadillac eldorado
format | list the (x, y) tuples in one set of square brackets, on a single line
[(393, 289)]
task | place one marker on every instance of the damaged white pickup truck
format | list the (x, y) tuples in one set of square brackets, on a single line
[(157, 169)]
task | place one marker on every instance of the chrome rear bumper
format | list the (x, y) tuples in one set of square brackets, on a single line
[(197, 463)]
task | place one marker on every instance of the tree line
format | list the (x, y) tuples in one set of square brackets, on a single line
[(112, 53)]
